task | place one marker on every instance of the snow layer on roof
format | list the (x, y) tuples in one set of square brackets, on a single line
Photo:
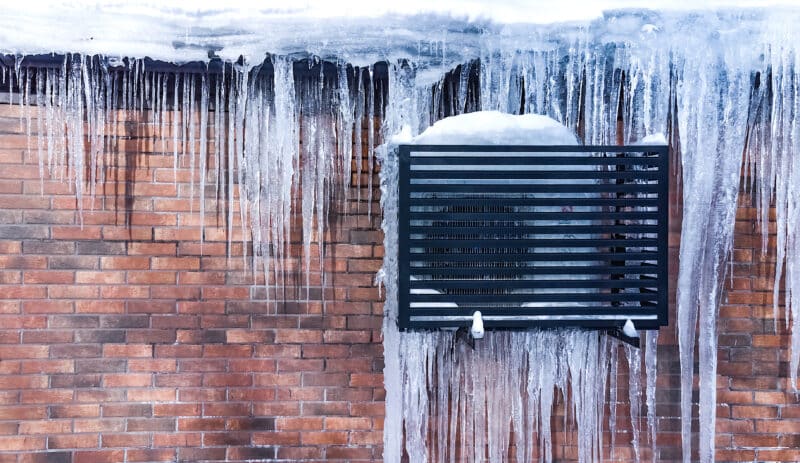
[(496, 128), (357, 31)]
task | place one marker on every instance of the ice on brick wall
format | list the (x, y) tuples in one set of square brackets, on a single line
[(717, 83)]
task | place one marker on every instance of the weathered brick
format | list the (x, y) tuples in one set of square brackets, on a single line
[(76, 381), (25, 231), (73, 263), (126, 440), (73, 321), (124, 321), (73, 441), (46, 247), (75, 350), (99, 456), (100, 248), (100, 365), (74, 411)]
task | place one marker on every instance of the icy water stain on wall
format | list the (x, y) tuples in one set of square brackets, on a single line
[(722, 86)]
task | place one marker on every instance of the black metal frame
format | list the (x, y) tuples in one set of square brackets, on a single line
[(478, 231)]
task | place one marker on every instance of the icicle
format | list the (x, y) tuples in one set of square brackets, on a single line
[(175, 126), (344, 133), (203, 154), (192, 83), (230, 161), (309, 98), (27, 108), (651, 371), (240, 77), (370, 138), (612, 398), (41, 112), (634, 395), (359, 119), (712, 111)]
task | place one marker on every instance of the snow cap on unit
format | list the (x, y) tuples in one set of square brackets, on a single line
[(496, 128)]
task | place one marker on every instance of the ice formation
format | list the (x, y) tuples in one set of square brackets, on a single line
[(460, 403), (719, 83)]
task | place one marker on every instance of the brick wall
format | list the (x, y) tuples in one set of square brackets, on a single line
[(122, 340), (134, 343)]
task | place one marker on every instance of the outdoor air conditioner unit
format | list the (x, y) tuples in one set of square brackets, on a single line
[(533, 236)]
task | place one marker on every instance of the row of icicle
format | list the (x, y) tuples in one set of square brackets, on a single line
[(234, 130)]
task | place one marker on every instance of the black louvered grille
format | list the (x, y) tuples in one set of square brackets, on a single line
[(533, 236)]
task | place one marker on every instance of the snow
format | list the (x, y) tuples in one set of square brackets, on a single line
[(438, 35), (654, 139), (496, 128)]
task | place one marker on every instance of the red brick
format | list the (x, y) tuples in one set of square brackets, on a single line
[(183, 439), (105, 307), (48, 366), (366, 380), (128, 410), (9, 307), (366, 438), (22, 352), (175, 292), (152, 249), (45, 427), (23, 382), (201, 307), (76, 233), (276, 438), (73, 292), (127, 350), (23, 413), (227, 350), (127, 380), (34, 277), (201, 424), (175, 263), (73, 441), (74, 411), (298, 336), (227, 379), (99, 456), (21, 443), (152, 395), (152, 365), (10, 278), (201, 278), (760, 411), (46, 396), (299, 423), (23, 292), (125, 263), (249, 336), (177, 409), (324, 438), (100, 278), (254, 365), (152, 278), (152, 455), (126, 440)]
